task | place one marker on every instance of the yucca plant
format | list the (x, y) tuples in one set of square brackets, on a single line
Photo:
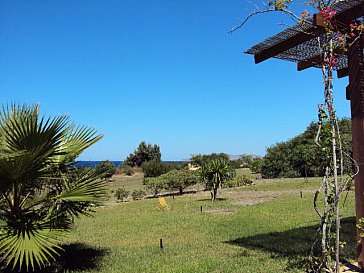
[(40, 193), (216, 172)]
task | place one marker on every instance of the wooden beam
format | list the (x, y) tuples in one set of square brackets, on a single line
[(289, 43), (355, 92), (310, 62), (315, 60), (341, 73), (346, 16), (319, 20), (343, 19)]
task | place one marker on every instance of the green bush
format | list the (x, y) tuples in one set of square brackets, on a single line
[(121, 194), (153, 168), (138, 194), (105, 168), (128, 170), (256, 165), (239, 182), (200, 160)]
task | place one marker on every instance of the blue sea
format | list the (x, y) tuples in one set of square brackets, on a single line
[(92, 164)]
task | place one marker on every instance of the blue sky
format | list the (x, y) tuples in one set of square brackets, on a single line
[(167, 72)]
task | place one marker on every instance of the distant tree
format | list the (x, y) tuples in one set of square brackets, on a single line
[(236, 164), (215, 173), (247, 159), (153, 168), (183, 166), (256, 165), (200, 160), (300, 156), (144, 153), (106, 169), (180, 179), (154, 185), (169, 166)]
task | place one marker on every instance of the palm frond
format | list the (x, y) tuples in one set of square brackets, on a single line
[(85, 187), (39, 194), (76, 140), (34, 246)]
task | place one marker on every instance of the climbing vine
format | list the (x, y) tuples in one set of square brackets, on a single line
[(332, 43)]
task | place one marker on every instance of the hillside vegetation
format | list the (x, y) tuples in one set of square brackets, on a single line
[(300, 156)]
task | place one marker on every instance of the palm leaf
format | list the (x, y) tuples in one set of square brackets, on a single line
[(86, 187), (35, 246), (75, 141), (36, 187)]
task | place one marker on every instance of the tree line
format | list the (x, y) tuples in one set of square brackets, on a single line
[(300, 156)]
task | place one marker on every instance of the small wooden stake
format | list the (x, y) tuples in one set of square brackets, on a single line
[(201, 208), (301, 193), (161, 244)]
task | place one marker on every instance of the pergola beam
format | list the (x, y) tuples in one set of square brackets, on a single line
[(342, 19), (315, 60), (341, 73), (287, 44), (309, 62), (346, 16)]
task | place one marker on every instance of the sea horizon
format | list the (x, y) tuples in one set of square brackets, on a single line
[(117, 163)]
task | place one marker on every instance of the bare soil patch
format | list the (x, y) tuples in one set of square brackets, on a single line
[(219, 211), (248, 198)]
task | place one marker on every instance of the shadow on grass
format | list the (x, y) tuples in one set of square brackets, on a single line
[(295, 244), (75, 257), (78, 256)]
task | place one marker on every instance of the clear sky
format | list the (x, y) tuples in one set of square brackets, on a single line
[(163, 71)]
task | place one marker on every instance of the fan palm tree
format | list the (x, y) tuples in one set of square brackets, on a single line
[(40, 193), (214, 173)]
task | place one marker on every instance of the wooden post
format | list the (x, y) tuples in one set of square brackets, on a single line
[(161, 246), (355, 93)]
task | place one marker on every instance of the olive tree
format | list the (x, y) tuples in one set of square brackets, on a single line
[(180, 179)]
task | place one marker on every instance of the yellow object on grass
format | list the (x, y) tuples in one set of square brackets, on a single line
[(163, 204)]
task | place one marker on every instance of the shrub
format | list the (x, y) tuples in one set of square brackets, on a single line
[(256, 165), (138, 194), (106, 169), (239, 181), (200, 160), (153, 168), (128, 170), (121, 194), (244, 180)]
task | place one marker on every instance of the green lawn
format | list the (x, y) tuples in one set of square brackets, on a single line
[(267, 227)]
